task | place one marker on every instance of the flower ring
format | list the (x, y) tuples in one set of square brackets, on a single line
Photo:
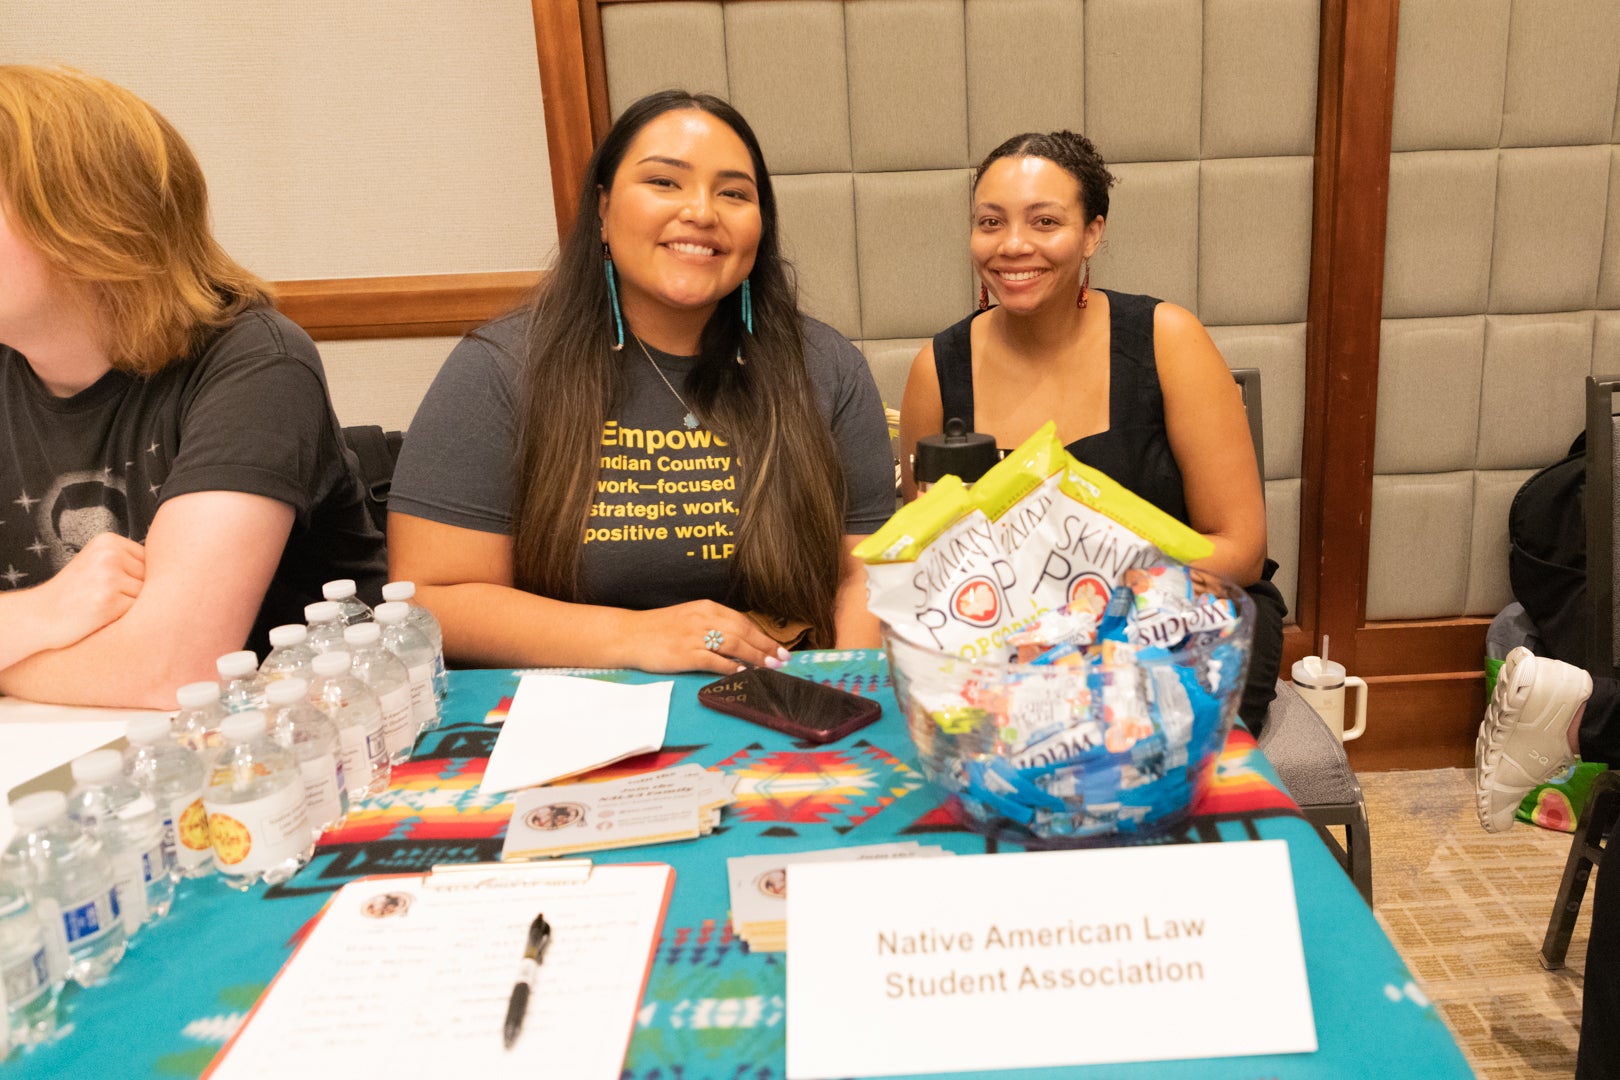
[(713, 640)]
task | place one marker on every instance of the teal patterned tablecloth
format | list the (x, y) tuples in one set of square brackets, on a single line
[(712, 1009)]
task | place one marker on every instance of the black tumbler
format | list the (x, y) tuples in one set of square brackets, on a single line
[(958, 452)]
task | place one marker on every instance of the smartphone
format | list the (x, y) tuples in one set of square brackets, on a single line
[(794, 706)]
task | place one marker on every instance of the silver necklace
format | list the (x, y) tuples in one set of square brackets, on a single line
[(690, 420)]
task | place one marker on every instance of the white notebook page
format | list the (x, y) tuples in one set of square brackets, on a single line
[(423, 991)]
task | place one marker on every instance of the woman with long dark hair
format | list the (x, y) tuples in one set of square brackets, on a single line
[(1135, 385), (659, 463)]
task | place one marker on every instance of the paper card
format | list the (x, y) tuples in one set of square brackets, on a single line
[(580, 817), (560, 726), (1044, 959), (759, 882)]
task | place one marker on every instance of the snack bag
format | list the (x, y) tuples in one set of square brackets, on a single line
[(936, 575), (1091, 532)]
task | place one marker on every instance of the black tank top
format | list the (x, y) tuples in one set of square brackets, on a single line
[(1135, 449)]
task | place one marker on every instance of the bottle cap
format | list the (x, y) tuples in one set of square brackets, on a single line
[(399, 590), (32, 811), (333, 663), (341, 589), (286, 691), (197, 694), (362, 634), (958, 452), (145, 730), (96, 766), (234, 665), (322, 611), (392, 612), (291, 634), (243, 726)]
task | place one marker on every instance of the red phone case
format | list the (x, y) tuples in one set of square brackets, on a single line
[(868, 712)]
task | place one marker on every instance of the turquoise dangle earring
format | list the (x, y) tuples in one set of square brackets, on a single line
[(613, 298), (747, 317)]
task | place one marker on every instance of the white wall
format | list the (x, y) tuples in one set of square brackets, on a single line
[(349, 139)]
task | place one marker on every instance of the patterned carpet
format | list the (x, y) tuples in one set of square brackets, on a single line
[(1468, 910)]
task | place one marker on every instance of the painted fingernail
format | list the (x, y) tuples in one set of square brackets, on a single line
[(772, 662), (782, 654), (742, 667)]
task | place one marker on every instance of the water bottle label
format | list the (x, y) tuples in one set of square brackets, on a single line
[(157, 862), (56, 946), (129, 888), (376, 749), (399, 729), (171, 837), (191, 831), (357, 757), (250, 837), (424, 704), (85, 922), (323, 799), (26, 979)]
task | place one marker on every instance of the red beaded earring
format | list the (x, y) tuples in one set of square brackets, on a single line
[(1085, 286), (984, 297)]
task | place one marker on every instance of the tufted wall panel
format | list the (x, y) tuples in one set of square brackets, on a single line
[(1502, 273), (873, 113)]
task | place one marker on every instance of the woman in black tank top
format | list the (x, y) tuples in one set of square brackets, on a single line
[(1136, 386)]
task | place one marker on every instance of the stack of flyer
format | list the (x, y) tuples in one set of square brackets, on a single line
[(674, 804), (759, 885)]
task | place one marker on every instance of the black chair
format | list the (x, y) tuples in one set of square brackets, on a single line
[(1603, 804), (377, 452), (1309, 759)]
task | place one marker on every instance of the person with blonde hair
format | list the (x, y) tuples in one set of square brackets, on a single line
[(173, 480)]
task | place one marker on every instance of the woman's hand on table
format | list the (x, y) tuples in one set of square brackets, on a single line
[(679, 638)]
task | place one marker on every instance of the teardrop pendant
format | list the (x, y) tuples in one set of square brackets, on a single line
[(691, 422)]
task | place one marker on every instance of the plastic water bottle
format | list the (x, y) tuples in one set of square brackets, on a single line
[(196, 725), (125, 819), (416, 653), (353, 708), (290, 655), (325, 627), (255, 801), (241, 687), (342, 593), (26, 989), (405, 592), (313, 739), (69, 881), (173, 776), (381, 670)]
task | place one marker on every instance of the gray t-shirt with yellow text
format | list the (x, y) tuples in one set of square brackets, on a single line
[(663, 526)]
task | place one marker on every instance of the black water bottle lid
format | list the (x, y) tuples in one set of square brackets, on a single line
[(958, 452)]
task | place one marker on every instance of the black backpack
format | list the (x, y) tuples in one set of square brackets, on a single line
[(1547, 556)]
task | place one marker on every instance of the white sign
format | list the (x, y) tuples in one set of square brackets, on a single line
[(1041, 959)]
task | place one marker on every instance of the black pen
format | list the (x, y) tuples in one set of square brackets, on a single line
[(534, 952)]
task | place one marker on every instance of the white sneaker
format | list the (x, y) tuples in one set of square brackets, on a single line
[(1524, 741)]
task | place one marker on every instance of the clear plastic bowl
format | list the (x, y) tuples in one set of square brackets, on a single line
[(1124, 786)]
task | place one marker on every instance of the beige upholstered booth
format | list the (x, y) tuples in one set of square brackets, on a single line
[(1501, 282), (873, 112)]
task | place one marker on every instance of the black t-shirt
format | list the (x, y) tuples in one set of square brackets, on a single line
[(248, 411), (662, 526)]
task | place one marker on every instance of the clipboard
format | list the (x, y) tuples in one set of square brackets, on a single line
[(409, 975)]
